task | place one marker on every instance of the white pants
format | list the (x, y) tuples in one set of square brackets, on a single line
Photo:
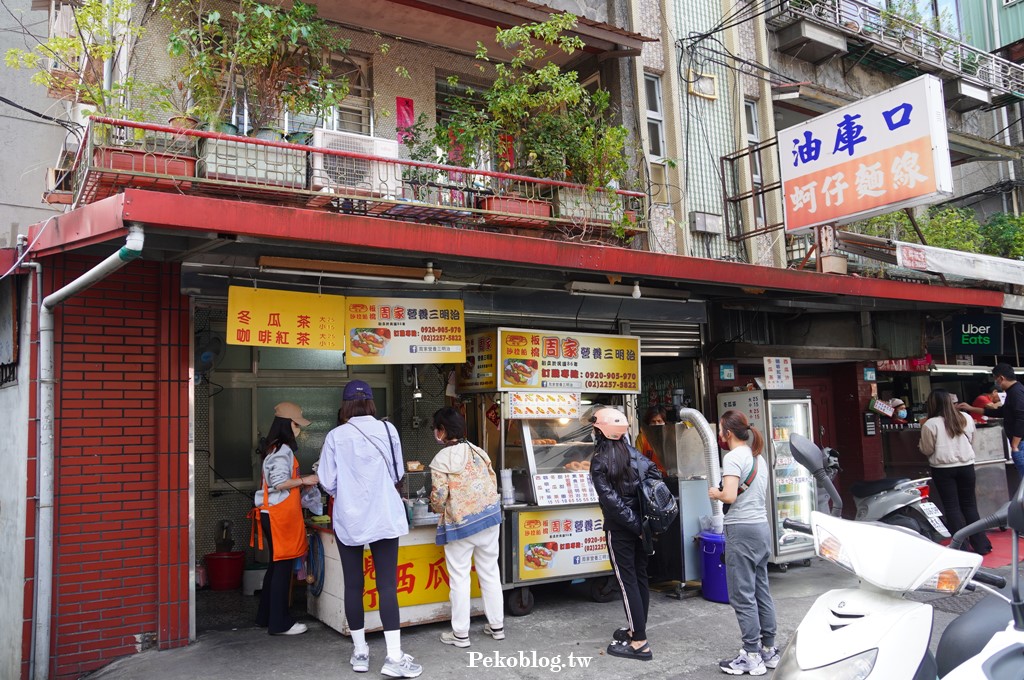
[(460, 555)]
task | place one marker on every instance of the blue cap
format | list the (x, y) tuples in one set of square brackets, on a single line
[(357, 389)]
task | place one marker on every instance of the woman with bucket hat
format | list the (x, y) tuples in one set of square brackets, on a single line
[(360, 466), (616, 471), (277, 518)]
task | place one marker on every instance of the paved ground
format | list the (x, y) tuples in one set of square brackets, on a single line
[(688, 637)]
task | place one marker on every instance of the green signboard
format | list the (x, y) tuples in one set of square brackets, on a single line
[(978, 334)]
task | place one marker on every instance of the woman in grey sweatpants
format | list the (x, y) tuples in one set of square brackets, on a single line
[(747, 544)]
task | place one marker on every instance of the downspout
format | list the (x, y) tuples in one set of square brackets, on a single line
[(43, 591)]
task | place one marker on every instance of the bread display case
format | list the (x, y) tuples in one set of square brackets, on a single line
[(554, 455)]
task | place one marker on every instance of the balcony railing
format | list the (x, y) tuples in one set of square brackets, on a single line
[(889, 42), (118, 154)]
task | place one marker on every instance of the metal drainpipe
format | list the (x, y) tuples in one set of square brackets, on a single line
[(43, 590)]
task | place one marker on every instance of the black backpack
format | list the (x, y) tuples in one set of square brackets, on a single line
[(657, 504)]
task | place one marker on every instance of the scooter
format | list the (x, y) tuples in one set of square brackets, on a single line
[(872, 631), (897, 501)]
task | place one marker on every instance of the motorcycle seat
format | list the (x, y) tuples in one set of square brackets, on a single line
[(865, 489)]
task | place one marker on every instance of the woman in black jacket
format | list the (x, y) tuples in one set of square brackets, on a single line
[(617, 469)]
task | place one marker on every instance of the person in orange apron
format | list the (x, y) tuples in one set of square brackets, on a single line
[(277, 518)]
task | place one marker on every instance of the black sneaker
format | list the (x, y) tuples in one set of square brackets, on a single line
[(627, 651)]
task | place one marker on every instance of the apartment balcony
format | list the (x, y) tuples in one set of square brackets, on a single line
[(816, 30), (370, 181)]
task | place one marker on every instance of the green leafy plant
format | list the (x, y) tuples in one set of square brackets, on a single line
[(73, 65), (280, 57), (1003, 236), (536, 118)]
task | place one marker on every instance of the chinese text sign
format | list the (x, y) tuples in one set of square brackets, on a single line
[(888, 151), (548, 361), (405, 331), (279, 318)]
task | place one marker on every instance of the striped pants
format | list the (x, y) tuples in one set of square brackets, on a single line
[(630, 564)]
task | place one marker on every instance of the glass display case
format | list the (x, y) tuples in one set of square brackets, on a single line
[(554, 454)]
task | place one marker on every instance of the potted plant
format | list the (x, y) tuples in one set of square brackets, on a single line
[(105, 31), (534, 119)]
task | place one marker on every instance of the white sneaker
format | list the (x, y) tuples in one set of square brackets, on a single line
[(770, 656), (496, 633), (360, 661), (450, 638), (749, 663), (402, 668), (296, 629)]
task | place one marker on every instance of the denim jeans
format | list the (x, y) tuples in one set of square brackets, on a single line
[(1018, 458)]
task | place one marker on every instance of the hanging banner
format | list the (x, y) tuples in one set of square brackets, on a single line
[(404, 331), (547, 361), (480, 372), (281, 318), (959, 263), (878, 154), (911, 365)]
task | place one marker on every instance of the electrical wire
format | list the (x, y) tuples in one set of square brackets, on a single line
[(29, 249)]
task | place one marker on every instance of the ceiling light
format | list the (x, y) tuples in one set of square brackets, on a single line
[(428, 277), (953, 368), (625, 291), (357, 270)]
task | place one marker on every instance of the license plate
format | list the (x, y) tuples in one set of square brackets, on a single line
[(930, 509), (937, 524)]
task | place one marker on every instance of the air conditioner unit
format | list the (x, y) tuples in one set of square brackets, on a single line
[(356, 176)]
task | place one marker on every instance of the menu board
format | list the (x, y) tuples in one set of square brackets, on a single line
[(479, 373), (548, 361), (525, 405), (564, 488), (561, 542), (404, 331), (281, 318)]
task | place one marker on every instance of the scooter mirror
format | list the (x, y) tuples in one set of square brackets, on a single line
[(1015, 510), (806, 453)]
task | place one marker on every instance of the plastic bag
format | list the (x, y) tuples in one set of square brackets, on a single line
[(312, 500)]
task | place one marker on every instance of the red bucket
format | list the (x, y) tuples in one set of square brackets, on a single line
[(225, 570)]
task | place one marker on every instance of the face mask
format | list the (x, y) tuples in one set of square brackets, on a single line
[(902, 413)]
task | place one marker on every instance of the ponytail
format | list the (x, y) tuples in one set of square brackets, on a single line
[(736, 422)]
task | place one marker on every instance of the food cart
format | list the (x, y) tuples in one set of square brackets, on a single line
[(397, 331), (532, 395)]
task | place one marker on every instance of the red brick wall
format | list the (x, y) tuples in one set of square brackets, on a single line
[(121, 532)]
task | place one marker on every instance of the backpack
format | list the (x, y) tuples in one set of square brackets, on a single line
[(657, 504)]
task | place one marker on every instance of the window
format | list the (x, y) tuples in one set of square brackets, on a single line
[(247, 382), (353, 115), (655, 118), (445, 93), (753, 139)]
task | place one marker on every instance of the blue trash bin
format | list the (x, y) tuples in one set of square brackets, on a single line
[(712, 552)]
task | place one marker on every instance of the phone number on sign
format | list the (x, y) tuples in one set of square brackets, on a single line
[(441, 338), (611, 385), (601, 375)]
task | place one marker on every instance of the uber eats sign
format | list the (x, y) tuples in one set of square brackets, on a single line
[(978, 334)]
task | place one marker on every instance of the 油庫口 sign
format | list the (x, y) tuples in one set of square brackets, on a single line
[(978, 334), (280, 318), (885, 152), (548, 361)]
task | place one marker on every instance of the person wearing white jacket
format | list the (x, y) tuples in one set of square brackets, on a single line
[(946, 439), (360, 464)]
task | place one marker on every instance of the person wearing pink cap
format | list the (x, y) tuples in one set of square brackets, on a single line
[(616, 471)]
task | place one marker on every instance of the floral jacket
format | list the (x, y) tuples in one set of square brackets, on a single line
[(465, 492)]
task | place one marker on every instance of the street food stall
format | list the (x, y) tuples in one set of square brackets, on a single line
[(373, 331), (532, 395)]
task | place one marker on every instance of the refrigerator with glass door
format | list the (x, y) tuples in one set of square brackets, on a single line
[(778, 414)]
